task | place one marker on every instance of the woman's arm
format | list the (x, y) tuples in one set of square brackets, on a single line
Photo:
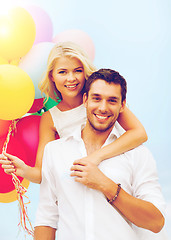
[(134, 136), (13, 164)]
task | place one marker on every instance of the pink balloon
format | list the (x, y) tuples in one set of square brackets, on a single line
[(28, 135), (44, 27), (79, 37)]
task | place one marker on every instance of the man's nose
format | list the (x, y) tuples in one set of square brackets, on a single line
[(103, 106)]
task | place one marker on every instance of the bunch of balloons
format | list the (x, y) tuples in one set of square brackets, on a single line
[(26, 38)]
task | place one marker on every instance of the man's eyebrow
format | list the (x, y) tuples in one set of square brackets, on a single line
[(95, 95), (110, 97), (114, 98)]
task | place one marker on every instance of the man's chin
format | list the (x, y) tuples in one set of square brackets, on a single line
[(101, 129)]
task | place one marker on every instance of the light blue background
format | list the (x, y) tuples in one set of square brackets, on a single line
[(134, 38)]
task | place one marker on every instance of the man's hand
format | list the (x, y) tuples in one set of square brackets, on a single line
[(88, 174)]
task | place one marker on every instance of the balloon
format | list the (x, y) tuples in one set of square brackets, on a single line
[(17, 33), (35, 63), (4, 127), (28, 134), (16, 92), (7, 189), (3, 60), (50, 103), (79, 37), (15, 62), (37, 105), (44, 27)]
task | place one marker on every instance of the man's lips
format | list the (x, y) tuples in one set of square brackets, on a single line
[(102, 117)]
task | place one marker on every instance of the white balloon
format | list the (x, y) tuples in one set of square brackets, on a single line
[(35, 63)]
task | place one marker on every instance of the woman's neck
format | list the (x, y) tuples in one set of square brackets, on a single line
[(67, 104)]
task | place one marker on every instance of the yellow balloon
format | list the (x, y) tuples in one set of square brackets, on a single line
[(17, 33), (16, 92), (3, 60), (15, 62)]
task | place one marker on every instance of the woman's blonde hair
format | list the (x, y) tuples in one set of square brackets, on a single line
[(63, 49)]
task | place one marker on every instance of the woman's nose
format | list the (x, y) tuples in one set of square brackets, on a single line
[(71, 76)]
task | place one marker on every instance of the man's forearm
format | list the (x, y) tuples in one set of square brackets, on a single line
[(44, 233), (142, 213)]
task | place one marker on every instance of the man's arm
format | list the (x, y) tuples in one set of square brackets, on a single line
[(44, 233), (47, 212), (142, 213)]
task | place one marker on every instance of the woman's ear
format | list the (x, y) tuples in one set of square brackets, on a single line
[(51, 76)]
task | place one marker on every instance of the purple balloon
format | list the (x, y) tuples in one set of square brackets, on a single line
[(44, 27)]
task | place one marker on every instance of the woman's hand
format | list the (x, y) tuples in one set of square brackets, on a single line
[(91, 158), (12, 164)]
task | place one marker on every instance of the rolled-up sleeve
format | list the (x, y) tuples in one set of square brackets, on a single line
[(47, 212), (145, 183)]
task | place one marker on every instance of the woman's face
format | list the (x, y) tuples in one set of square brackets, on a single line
[(68, 76)]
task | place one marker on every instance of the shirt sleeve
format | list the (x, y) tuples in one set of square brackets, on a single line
[(47, 212), (145, 179)]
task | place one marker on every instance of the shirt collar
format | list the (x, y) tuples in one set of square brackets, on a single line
[(114, 134)]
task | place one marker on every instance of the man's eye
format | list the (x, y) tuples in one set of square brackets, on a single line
[(96, 98), (112, 101)]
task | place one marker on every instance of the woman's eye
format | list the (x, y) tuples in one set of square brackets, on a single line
[(61, 72), (79, 70)]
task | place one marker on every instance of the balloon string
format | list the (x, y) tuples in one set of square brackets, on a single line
[(19, 189)]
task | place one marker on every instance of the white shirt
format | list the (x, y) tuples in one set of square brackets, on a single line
[(81, 213)]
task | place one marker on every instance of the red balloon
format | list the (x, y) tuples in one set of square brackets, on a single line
[(4, 127), (28, 134), (14, 147), (37, 105)]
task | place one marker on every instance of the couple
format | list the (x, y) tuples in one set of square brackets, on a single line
[(120, 199)]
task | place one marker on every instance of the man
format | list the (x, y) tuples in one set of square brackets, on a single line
[(105, 202)]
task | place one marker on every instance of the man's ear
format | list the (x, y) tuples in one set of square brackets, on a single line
[(85, 99), (123, 106)]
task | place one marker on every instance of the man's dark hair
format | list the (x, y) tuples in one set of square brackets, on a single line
[(109, 76)]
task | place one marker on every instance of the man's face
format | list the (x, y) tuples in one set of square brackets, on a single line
[(103, 104)]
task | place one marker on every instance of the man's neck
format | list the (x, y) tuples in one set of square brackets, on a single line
[(93, 139)]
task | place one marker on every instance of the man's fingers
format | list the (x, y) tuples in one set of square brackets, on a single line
[(77, 168), (80, 162), (76, 174)]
